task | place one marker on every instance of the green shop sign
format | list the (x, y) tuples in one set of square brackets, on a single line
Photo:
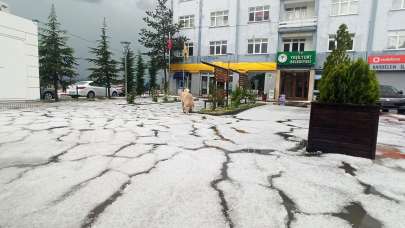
[(302, 58)]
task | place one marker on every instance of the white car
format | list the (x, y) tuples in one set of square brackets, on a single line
[(90, 89)]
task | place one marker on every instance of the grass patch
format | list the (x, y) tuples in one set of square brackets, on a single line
[(229, 110)]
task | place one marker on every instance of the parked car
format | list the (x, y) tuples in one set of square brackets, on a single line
[(391, 98), (120, 89), (47, 93), (90, 89)]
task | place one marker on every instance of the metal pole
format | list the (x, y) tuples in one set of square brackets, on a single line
[(168, 77), (126, 73)]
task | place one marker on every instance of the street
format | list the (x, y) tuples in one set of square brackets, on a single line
[(108, 164)]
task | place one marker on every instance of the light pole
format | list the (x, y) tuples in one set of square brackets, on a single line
[(229, 76), (125, 49)]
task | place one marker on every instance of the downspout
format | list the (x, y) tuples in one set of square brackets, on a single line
[(237, 31), (316, 30), (200, 20), (371, 28)]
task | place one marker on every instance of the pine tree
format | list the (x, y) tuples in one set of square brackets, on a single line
[(160, 28), (130, 87), (153, 69), (333, 84), (339, 54), (105, 71), (57, 64), (140, 76)]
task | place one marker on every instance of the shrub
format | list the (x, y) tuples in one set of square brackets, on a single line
[(236, 97), (346, 82)]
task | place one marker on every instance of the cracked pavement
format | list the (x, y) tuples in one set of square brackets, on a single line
[(108, 164)]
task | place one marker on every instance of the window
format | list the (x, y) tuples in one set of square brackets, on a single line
[(294, 44), (189, 46), (186, 21), (396, 40), (259, 13), (332, 43), (296, 13), (344, 7), (258, 46), (218, 47), (398, 4), (219, 18)]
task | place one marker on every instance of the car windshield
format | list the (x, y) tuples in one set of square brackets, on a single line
[(81, 83), (388, 90)]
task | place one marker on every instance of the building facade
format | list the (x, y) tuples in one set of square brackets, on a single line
[(282, 44), (19, 67)]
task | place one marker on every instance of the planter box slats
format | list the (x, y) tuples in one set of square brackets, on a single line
[(343, 129)]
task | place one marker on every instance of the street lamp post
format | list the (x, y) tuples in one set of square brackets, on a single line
[(125, 49)]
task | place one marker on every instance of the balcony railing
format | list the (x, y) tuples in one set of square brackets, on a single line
[(302, 23)]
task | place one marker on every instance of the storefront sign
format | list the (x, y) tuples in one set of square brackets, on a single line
[(303, 58), (221, 75), (387, 62)]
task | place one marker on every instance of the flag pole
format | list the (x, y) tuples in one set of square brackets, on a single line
[(168, 79)]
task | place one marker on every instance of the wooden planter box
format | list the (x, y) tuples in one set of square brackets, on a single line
[(344, 129)]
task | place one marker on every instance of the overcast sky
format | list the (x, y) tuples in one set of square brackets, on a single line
[(84, 18)]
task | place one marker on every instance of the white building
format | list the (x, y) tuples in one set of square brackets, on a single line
[(282, 44), (19, 67)]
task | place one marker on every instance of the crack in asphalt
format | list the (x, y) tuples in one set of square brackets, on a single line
[(53, 159), (368, 189), (194, 131), (214, 184), (218, 133), (75, 188), (288, 203), (94, 214)]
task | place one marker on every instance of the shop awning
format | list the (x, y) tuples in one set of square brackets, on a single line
[(243, 67)]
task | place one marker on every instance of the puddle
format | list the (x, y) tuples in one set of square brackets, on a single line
[(358, 217), (348, 168)]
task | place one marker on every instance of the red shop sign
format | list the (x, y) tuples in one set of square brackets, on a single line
[(386, 59)]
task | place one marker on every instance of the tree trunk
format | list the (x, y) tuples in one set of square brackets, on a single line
[(55, 87)]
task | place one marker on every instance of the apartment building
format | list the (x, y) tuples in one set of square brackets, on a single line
[(282, 44), (19, 67)]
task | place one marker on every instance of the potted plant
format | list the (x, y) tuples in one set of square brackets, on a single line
[(345, 119)]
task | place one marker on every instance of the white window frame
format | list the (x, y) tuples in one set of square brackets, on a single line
[(179, 53), (396, 37), (257, 10), (219, 18), (296, 13), (186, 21), (258, 42), (218, 47), (340, 3), (332, 38), (401, 5), (291, 41)]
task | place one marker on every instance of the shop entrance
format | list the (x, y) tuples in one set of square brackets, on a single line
[(295, 84)]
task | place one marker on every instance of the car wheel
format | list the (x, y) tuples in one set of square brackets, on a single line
[(48, 96), (91, 95), (115, 94)]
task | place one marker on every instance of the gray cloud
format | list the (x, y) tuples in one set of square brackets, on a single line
[(84, 18), (145, 4)]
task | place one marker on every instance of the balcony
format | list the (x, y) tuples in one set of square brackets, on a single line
[(302, 25)]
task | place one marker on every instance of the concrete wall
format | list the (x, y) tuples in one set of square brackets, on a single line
[(19, 67)]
